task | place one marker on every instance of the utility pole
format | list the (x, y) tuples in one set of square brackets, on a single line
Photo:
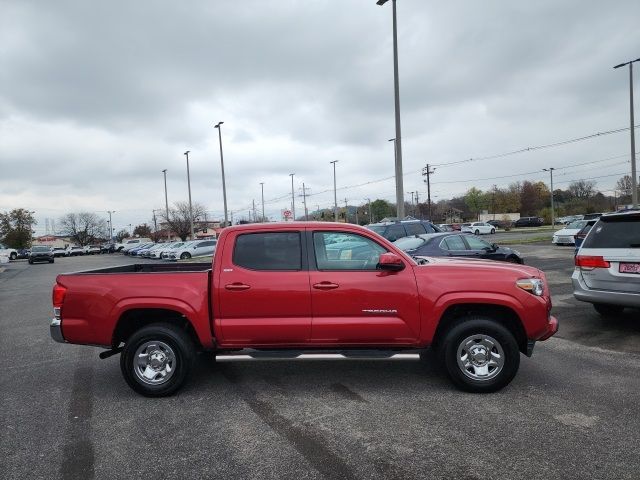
[(634, 178), (304, 202), (166, 204), (418, 212), (293, 200), (224, 186), (553, 220), (412, 207), (186, 154), (335, 196), (370, 212), (427, 172), (262, 193), (110, 224), (155, 224), (231, 212), (253, 202), (346, 211)]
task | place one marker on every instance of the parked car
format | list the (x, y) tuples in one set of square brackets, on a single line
[(479, 228), (267, 285), (567, 236), (139, 252), (12, 253), (129, 243), (91, 249), (446, 227), (591, 216), (197, 248), (528, 222), (500, 223), (41, 253), (133, 251), (23, 253), (395, 230), (582, 234), (456, 245), (74, 250), (108, 248), (156, 253), (607, 272), (165, 253), (59, 251), (157, 247)]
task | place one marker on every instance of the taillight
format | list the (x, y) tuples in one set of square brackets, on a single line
[(591, 262), (58, 295)]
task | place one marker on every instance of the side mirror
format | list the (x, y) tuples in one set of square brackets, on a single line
[(494, 246), (390, 262)]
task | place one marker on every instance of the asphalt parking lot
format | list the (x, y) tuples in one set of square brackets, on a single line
[(571, 412)]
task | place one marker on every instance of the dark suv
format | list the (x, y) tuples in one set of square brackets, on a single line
[(395, 230), (528, 222), (41, 253)]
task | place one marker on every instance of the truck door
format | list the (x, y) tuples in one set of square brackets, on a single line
[(263, 295), (352, 301)]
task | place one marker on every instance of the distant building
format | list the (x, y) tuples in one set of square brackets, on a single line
[(53, 241)]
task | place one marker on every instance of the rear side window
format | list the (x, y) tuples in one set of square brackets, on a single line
[(395, 232), (268, 251), (415, 229), (619, 233), (430, 228)]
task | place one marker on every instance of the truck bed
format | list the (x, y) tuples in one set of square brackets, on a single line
[(150, 268)]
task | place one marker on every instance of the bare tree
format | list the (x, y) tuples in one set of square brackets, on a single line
[(583, 189), (179, 221), (624, 185), (83, 228)]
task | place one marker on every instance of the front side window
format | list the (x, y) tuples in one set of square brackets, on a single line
[(476, 243), (350, 252), (268, 251)]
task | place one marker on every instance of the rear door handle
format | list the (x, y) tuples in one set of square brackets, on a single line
[(325, 285), (237, 286)]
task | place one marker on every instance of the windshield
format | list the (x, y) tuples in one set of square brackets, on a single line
[(409, 243), (40, 249), (379, 229), (577, 225)]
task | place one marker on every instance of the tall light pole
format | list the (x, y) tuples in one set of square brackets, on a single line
[(335, 195), (166, 204), (224, 186), (293, 199), (262, 192), (186, 154), (110, 224), (553, 219), (634, 179), (398, 143)]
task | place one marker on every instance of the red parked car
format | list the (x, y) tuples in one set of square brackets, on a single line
[(306, 287)]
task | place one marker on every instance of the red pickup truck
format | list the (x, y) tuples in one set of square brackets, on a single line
[(287, 289)]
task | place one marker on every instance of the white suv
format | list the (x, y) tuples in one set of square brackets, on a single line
[(478, 228), (5, 251), (197, 248)]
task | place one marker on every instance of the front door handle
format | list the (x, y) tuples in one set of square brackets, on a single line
[(325, 285), (237, 286)]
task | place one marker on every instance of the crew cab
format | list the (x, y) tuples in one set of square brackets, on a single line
[(306, 287)]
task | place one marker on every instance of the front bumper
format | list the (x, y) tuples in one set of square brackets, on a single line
[(55, 329), (552, 328), (585, 294)]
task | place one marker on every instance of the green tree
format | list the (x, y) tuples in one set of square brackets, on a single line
[(382, 208), (475, 200), (15, 228), (121, 235), (142, 231)]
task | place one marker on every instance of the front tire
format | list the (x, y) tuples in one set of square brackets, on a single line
[(608, 310), (477, 232), (157, 359), (480, 355), (13, 256), (185, 256)]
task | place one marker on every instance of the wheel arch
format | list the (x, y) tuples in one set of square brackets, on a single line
[(501, 314)]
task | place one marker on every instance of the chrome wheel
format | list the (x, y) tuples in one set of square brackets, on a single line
[(480, 357), (154, 363)]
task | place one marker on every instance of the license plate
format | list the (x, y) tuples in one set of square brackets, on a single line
[(629, 268)]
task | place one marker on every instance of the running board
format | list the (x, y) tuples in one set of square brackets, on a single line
[(362, 353)]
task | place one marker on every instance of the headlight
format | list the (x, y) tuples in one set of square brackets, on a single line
[(534, 286)]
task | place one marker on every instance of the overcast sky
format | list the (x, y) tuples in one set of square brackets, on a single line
[(97, 98)]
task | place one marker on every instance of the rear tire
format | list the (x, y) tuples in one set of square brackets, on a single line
[(13, 256), (477, 232), (480, 355), (52, 260), (607, 310), (157, 359), (493, 230)]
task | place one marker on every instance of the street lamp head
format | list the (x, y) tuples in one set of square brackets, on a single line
[(187, 153), (381, 2), (392, 139), (621, 65), (218, 125), (164, 171)]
